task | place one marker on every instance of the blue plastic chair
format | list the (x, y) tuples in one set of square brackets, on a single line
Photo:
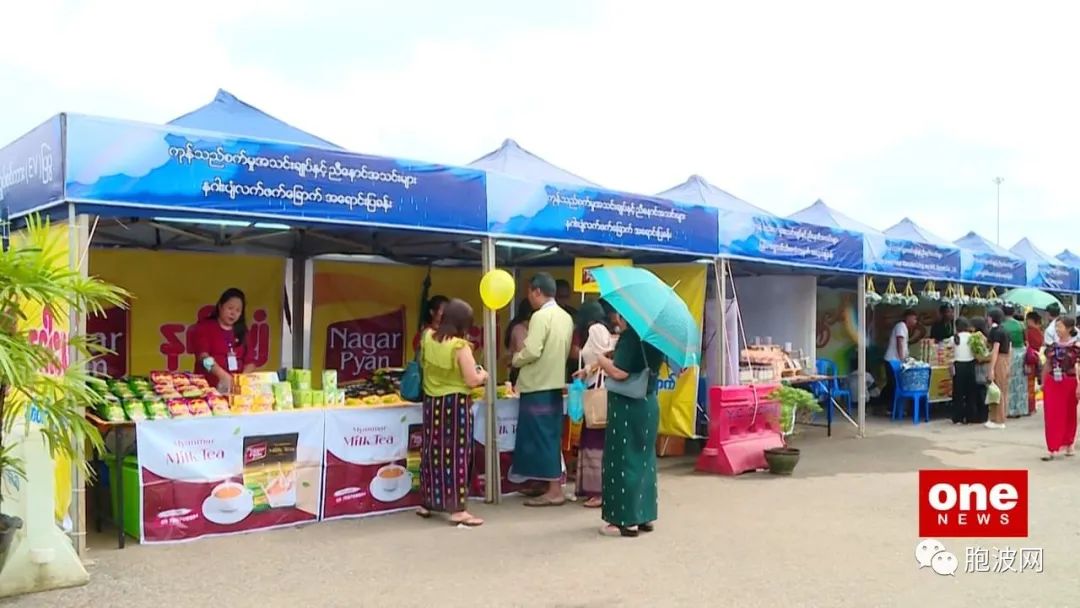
[(838, 391), (820, 389), (919, 394)]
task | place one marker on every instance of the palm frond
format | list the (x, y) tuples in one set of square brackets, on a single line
[(36, 270)]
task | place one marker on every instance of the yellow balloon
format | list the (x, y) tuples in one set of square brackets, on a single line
[(497, 289)]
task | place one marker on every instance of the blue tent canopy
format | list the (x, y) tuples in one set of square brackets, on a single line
[(986, 262), (511, 159), (1044, 271), (890, 254), (532, 198), (1069, 258), (227, 114), (976, 243), (909, 230), (698, 191), (823, 215)]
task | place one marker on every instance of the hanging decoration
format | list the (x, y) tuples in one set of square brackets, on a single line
[(910, 299), (930, 292), (891, 297), (954, 296), (873, 298), (976, 298)]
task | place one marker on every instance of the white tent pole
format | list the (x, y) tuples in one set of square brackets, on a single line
[(307, 305), (493, 470), (287, 330), (721, 311), (861, 345), (78, 240)]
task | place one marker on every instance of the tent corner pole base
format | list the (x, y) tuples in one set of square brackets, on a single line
[(492, 468)]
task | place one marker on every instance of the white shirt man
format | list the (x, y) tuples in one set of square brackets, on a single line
[(898, 339), (1051, 337)]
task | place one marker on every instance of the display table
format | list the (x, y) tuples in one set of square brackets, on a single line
[(213, 476), (119, 438), (940, 384)]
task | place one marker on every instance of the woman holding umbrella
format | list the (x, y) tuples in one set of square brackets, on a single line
[(659, 327)]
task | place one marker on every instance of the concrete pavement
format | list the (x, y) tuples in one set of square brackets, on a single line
[(841, 532)]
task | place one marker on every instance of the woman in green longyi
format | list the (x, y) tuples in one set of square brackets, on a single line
[(629, 463)]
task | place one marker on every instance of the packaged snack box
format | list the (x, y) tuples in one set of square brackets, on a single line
[(262, 403), (134, 410), (161, 377), (303, 399), (178, 408), (219, 406), (300, 379), (155, 409), (318, 398), (329, 380), (283, 397), (199, 407), (282, 391), (112, 411), (241, 404)]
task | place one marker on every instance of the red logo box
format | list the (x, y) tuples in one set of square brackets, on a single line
[(966, 504)]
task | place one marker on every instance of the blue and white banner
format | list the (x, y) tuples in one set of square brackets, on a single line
[(993, 269), (178, 170), (1052, 277), (777, 239), (598, 217), (902, 257), (31, 169)]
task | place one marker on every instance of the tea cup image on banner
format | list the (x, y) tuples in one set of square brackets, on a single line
[(228, 503), (391, 483)]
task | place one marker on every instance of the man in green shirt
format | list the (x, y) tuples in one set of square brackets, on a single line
[(540, 383), (1012, 327), (1017, 385)]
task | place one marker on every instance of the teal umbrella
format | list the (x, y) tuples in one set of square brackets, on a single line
[(1029, 296), (653, 310)]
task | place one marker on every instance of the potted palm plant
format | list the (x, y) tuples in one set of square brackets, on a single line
[(792, 400), (41, 387)]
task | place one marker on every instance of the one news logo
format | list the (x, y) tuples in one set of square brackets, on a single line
[(964, 504)]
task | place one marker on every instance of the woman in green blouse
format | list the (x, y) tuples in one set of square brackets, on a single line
[(629, 463)]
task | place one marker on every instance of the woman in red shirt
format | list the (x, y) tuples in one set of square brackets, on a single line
[(220, 342)]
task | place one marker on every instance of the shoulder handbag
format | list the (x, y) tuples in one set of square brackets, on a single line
[(636, 385), (596, 404), (594, 400), (412, 381)]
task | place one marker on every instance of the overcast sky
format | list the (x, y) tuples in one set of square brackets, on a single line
[(909, 110)]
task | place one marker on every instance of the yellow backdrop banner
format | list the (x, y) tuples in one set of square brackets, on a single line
[(366, 316), (173, 290), (51, 330)]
